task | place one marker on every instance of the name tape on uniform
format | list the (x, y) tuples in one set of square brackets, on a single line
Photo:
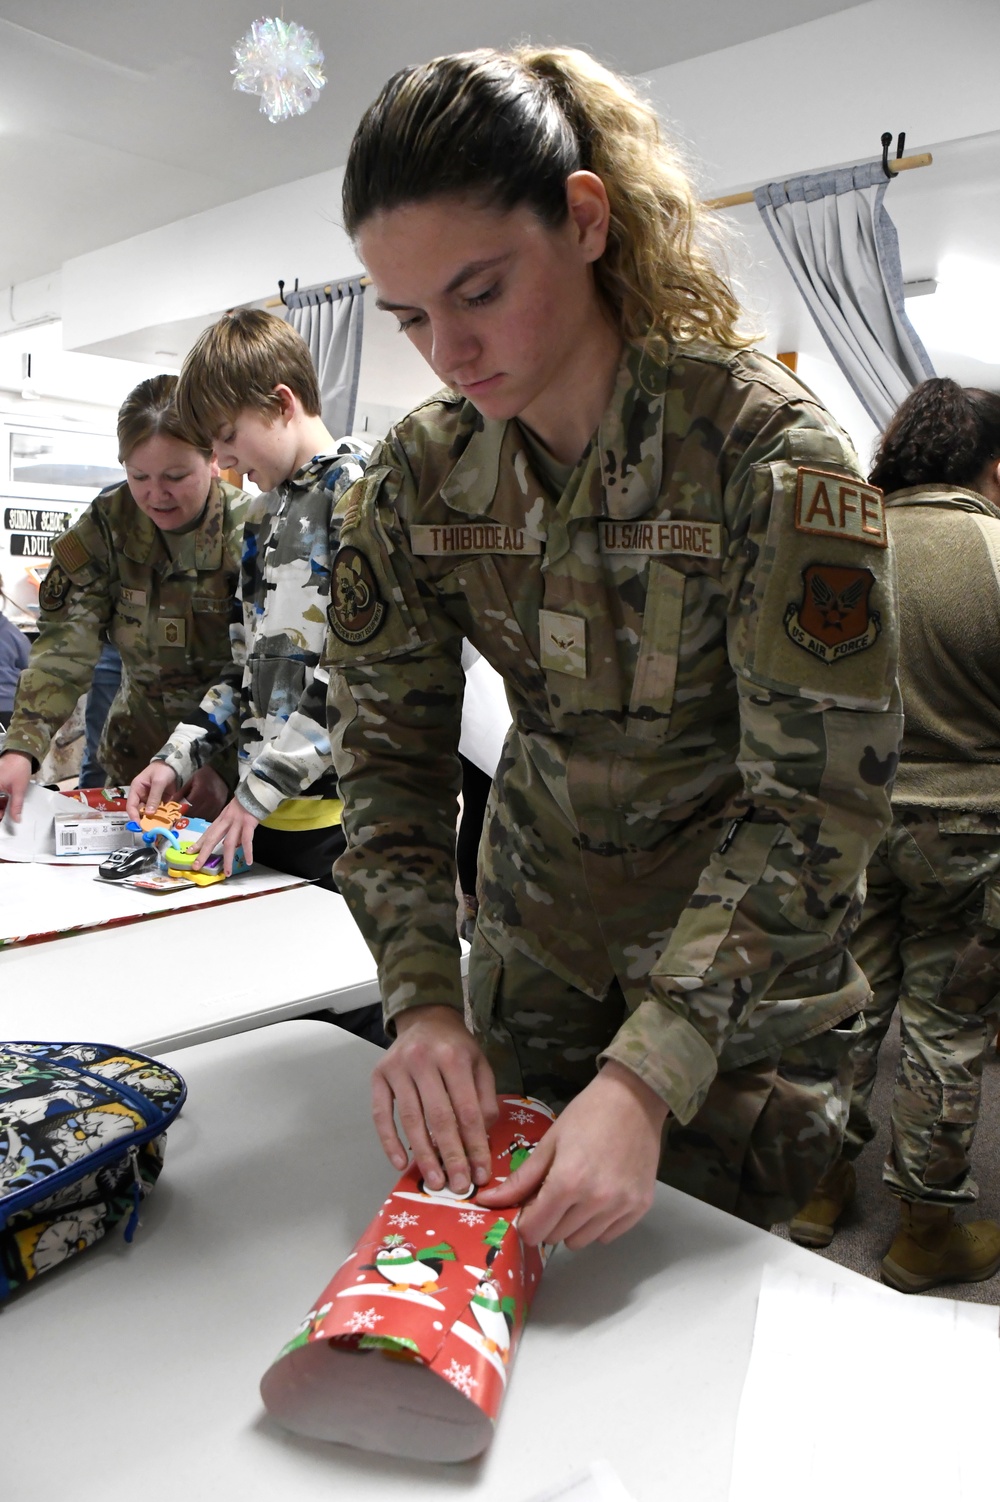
[(690, 539), (132, 596), (837, 506), (472, 537)]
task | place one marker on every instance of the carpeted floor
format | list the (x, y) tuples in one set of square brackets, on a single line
[(869, 1226)]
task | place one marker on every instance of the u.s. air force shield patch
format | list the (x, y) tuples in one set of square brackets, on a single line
[(357, 610), (833, 620)]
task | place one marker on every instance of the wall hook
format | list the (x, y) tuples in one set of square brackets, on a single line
[(886, 143)]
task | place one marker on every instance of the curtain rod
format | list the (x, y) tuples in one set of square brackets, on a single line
[(362, 281), (901, 164), (730, 201)]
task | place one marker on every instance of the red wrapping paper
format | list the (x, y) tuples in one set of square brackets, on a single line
[(409, 1348)]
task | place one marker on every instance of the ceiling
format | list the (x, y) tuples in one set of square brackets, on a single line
[(117, 116)]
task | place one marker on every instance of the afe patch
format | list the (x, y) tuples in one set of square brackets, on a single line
[(357, 610), (829, 505), (54, 587), (834, 619)]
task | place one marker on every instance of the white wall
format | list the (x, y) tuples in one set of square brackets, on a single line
[(198, 267), (821, 94)]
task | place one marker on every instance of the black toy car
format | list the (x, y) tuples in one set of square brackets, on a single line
[(131, 860)]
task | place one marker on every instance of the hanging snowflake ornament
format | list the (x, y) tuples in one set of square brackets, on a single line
[(283, 63)]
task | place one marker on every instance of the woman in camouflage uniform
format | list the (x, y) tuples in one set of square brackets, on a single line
[(151, 566), (929, 937), (661, 541)]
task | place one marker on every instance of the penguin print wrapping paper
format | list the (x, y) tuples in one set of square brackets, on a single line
[(409, 1348)]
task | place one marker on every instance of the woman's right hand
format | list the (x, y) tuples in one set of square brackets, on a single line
[(437, 1077), (15, 774), (154, 785)]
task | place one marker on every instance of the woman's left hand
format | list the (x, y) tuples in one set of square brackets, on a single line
[(591, 1178), (233, 827), (206, 792)]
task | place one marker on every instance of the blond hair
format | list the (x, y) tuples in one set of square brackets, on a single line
[(237, 363), (149, 410), (507, 128)]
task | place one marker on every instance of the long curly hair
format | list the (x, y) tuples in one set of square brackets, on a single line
[(507, 128), (942, 434)]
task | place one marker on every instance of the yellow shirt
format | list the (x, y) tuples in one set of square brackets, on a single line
[(305, 813)]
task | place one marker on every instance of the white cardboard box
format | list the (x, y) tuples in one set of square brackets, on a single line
[(91, 833)]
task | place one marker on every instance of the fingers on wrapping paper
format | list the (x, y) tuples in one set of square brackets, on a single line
[(385, 1122), (442, 1120)]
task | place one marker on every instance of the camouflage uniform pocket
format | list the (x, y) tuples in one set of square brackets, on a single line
[(991, 905), (485, 970), (652, 696)]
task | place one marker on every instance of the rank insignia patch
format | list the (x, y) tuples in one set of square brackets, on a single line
[(834, 619), (357, 610), (54, 588), (171, 631)]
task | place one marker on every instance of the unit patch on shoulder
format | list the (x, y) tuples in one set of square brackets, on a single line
[(54, 588), (357, 611), (831, 505), (834, 619)]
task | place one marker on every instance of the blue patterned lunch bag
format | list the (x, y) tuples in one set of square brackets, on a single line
[(81, 1144)]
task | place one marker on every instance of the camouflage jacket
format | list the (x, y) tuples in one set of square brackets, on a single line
[(266, 697), (947, 543), (703, 619), (112, 574)]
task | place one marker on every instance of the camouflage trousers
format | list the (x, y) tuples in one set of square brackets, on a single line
[(766, 1133), (929, 940)]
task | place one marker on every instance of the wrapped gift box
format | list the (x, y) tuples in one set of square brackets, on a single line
[(409, 1348)]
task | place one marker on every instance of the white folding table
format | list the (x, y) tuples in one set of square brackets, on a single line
[(135, 1369), (193, 975)]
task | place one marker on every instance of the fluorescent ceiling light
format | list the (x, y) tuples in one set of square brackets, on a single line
[(963, 316)]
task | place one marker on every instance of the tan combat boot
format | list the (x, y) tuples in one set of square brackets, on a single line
[(930, 1248), (816, 1221)]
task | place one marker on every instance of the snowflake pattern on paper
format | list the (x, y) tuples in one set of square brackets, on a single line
[(460, 1377), (363, 1321), (471, 1218), (522, 1117), (403, 1219)]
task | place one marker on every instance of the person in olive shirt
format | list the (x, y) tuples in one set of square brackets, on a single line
[(152, 566), (929, 937)]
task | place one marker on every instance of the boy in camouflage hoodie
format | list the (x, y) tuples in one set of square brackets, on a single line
[(250, 388)]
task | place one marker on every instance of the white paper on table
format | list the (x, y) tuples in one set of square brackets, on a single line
[(33, 838), (856, 1390), (39, 899), (598, 1483), (485, 716)]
